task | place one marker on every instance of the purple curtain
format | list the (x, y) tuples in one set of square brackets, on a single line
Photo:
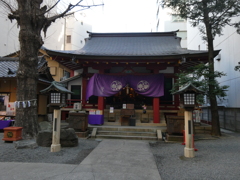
[(148, 85), (108, 85), (105, 85)]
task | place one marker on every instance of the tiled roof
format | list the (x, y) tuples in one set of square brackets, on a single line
[(56, 86), (189, 87), (6, 64), (132, 44), (9, 66), (71, 79)]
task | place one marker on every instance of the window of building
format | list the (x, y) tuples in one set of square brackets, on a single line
[(2, 105), (76, 89), (4, 99), (68, 38), (66, 74)]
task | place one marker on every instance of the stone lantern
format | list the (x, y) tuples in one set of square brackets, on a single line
[(57, 94), (188, 96), (57, 99)]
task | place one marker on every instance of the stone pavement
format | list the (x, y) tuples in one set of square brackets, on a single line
[(110, 160)]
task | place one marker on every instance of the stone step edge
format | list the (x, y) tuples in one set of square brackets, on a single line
[(136, 132), (125, 132), (127, 129), (117, 136)]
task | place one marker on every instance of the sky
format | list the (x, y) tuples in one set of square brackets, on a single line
[(123, 16)]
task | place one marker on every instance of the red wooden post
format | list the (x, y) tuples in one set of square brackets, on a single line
[(156, 116), (72, 73), (101, 103), (84, 88), (193, 143), (184, 138)]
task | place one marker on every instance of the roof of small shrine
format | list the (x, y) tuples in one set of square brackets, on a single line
[(56, 86), (9, 66)]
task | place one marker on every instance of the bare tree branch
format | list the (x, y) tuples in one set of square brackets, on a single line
[(64, 13), (7, 5), (53, 6)]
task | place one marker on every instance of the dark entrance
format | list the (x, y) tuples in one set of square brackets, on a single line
[(128, 96), (76, 89), (168, 97)]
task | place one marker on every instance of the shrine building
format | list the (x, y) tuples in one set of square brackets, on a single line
[(132, 71)]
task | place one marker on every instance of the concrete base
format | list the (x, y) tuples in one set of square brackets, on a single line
[(177, 138), (55, 147), (189, 152), (159, 134), (82, 134)]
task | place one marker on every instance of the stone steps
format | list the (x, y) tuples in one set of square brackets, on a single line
[(121, 132), (128, 133), (126, 137)]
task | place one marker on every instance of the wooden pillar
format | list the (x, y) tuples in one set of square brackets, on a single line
[(156, 114), (72, 73), (156, 100), (176, 96), (101, 103), (101, 99), (84, 90)]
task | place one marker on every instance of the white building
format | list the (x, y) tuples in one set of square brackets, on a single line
[(67, 33), (228, 58), (76, 31), (9, 36), (166, 21)]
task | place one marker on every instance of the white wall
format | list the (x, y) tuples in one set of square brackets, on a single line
[(77, 26), (74, 82), (194, 39), (229, 44), (166, 24), (181, 26), (9, 36), (55, 35), (54, 38)]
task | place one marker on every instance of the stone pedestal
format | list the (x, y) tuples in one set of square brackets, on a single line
[(189, 152), (78, 121), (56, 146), (68, 138), (189, 149)]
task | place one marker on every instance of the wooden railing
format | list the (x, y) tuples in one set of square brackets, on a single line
[(169, 105), (166, 105), (70, 103)]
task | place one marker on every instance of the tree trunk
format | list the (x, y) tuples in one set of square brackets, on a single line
[(213, 100), (27, 74)]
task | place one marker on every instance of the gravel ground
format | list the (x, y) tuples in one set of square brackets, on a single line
[(217, 159), (67, 155)]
